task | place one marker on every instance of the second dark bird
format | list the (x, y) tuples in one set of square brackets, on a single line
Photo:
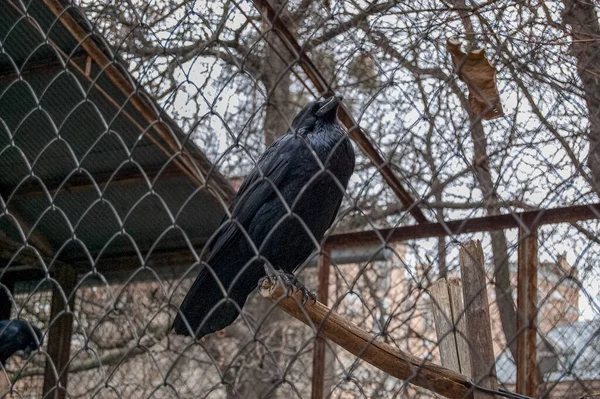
[(18, 335), (279, 216)]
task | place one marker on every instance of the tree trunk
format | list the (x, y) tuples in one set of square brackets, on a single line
[(502, 288), (585, 29), (276, 79), (278, 114)]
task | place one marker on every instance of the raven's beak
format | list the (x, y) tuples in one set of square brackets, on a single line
[(330, 105)]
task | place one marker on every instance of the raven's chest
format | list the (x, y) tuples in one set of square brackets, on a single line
[(320, 176), (327, 153)]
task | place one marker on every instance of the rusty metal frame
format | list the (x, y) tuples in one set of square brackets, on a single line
[(527, 300), (320, 345), (526, 222)]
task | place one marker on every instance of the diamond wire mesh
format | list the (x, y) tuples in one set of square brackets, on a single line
[(88, 180)]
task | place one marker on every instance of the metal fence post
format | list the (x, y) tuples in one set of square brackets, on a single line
[(318, 377), (527, 310), (60, 333)]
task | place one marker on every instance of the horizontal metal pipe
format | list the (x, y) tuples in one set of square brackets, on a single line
[(348, 255), (528, 220)]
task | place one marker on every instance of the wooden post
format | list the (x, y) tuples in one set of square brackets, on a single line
[(477, 313), (527, 310), (360, 343), (60, 333), (320, 346), (451, 325)]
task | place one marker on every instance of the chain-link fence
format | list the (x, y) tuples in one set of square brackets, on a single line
[(127, 128)]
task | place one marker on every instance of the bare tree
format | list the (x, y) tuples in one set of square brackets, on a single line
[(222, 71)]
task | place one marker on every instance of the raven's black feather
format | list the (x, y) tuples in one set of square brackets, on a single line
[(18, 335), (284, 206)]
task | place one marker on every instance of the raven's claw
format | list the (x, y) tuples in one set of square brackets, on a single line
[(305, 292), (289, 280)]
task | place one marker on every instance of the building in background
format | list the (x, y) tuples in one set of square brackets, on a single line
[(394, 304)]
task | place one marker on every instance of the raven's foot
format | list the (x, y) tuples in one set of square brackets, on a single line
[(289, 280)]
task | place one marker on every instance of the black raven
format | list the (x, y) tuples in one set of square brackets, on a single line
[(18, 335), (277, 219)]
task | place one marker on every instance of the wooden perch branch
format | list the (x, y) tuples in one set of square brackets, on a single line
[(357, 341)]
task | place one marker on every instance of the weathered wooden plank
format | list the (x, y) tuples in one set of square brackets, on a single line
[(460, 321), (477, 312), (451, 325), (444, 325)]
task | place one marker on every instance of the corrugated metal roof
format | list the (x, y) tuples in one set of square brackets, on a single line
[(56, 120)]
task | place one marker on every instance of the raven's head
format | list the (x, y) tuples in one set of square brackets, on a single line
[(315, 112)]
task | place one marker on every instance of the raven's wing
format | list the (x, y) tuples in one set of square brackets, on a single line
[(10, 339), (225, 260), (258, 188)]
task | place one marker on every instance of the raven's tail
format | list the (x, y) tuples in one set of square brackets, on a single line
[(208, 309)]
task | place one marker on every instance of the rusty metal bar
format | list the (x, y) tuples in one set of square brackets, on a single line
[(15, 254), (527, 311), (530, 219), (39, 67), (354, 131), (60, 333), (318, 376), (81, 181), (34, 237)]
